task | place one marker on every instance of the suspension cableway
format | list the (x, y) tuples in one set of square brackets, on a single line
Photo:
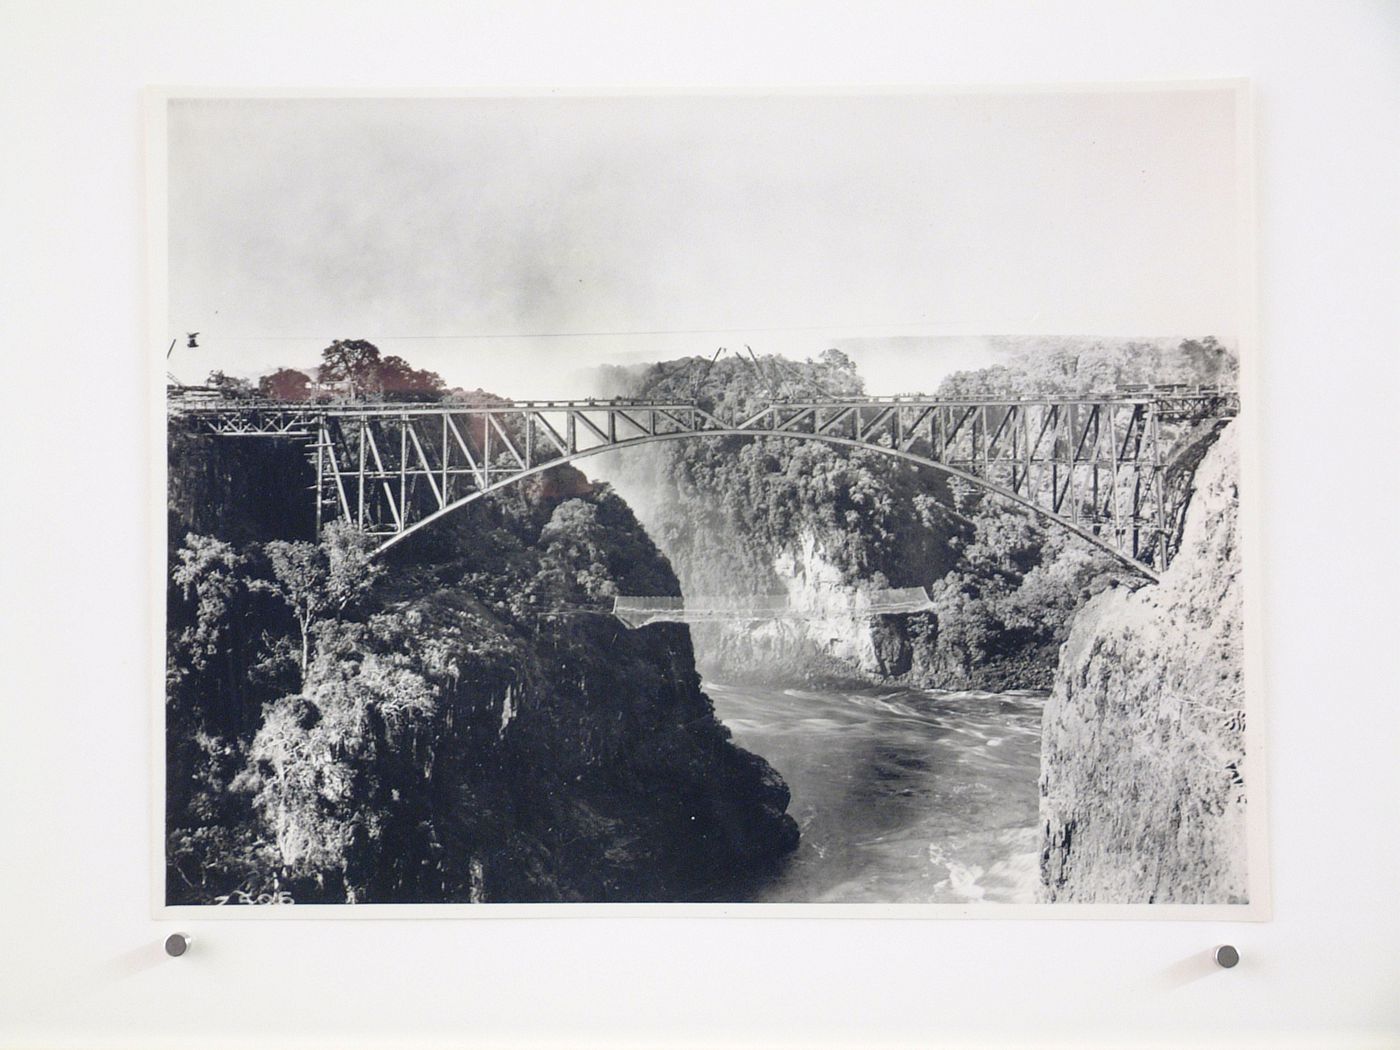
[(640, 610)]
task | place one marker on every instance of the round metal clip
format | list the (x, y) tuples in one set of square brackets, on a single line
[(1226, 956), (177, 944)]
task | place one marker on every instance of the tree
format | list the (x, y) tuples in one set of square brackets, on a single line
[(397, 378), (966, 626), (359, 364), (1210, 363), (209, 573), (351, 571), (314, 579), (299, 578), (285, 384), (576, 544), (354, 361), (303, 783)]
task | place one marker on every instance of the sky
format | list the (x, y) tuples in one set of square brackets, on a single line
[(515, 244)]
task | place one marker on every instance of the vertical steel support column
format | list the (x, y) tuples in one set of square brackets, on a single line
[(485, 447), (1012, 425), (322, 436), (1113, 466), (1159, 482), (403, 472), (360, 477), (1098, 427), (1027, 478), (1135, 425), (1073, 451), (973, 455), (446, 459), (986, 444)]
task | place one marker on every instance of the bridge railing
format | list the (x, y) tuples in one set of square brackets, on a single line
[(203, 402)]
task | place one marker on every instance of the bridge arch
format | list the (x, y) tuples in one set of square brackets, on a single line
[(1051, 518)]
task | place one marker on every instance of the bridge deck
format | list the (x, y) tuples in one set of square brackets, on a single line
[(1096, 464), (203, 405)]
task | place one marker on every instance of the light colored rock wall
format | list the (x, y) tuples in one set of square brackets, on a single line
[(833, 637), (817, 588), (1143, 774)]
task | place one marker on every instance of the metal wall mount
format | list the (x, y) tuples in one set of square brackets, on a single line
[(177, 944)]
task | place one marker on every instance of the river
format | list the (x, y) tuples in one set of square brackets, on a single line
[(903, 796)]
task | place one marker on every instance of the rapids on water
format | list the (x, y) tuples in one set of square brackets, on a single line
[(902, 795)]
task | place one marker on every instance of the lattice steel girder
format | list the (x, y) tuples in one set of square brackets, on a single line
[(983, 440), (1096, 464)]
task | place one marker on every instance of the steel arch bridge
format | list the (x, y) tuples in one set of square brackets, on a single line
[(1100, 466)]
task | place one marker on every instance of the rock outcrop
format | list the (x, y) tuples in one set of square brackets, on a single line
[(828, 636), (1143, 773)]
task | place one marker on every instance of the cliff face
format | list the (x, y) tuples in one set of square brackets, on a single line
[(822, 528), (476, 728), (827, 639), (819, 527), (1143, 783), (238, 489)]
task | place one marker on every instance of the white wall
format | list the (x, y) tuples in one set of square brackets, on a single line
[(81, 963)]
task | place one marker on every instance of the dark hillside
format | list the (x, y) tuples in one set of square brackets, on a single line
[(469, 724)]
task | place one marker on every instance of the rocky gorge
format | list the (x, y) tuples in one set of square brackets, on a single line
[(1142, 761), (463, 724), (462, 720)]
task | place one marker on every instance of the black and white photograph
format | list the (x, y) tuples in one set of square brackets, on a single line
[(824, 503), (618, 526)]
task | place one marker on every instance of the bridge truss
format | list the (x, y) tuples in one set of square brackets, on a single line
[(1098, 466)]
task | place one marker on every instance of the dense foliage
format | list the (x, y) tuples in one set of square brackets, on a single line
[(727, 505), (461, 722), (349, 368), (741, 516), (358, 365), (1050, 366)]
